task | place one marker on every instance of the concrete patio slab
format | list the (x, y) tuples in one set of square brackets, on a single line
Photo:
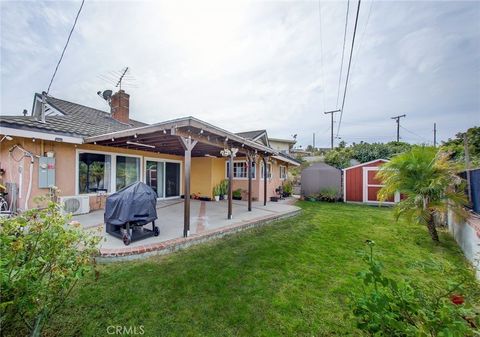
[(208, 221)]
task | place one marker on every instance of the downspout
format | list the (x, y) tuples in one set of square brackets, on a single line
[(29, 190)]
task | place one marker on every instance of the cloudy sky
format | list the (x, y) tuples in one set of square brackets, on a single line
[(253, 65)]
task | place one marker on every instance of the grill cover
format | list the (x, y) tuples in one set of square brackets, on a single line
[(134, 203)]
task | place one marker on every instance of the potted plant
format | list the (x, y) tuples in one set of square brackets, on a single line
[(216, 192), (287, 188), (224, 185), (237, 194)]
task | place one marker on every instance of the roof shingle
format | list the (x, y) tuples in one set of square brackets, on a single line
[(78, 120)]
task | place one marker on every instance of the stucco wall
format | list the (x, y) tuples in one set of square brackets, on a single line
[(206, 172), (201, 176), (65, 164), (467, 235), (258, 183)]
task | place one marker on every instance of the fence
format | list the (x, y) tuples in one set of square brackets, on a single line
[(474, 195)]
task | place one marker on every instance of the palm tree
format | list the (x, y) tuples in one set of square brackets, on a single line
[(428, 183)]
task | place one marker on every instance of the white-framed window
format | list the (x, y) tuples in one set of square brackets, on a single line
[(98, 171), (127, 171), (240, 169), (283, 172), (94, 173), (269, 170)]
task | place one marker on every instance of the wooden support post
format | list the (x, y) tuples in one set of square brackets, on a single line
[(230, 186), (265, 180), (188, 145), (250, 173)]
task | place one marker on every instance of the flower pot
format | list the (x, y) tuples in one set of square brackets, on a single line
[(217, 198), (225, 197)]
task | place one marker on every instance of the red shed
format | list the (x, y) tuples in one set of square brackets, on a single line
[(360, 184)]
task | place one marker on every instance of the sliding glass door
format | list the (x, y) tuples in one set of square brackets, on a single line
[(154, 176), (172, 179), (163, 178)]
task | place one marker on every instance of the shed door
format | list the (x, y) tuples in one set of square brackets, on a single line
[(371, 185)]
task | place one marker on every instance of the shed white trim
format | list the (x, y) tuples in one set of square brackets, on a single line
[(363, 164)]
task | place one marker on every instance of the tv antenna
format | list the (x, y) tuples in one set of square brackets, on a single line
[(119, 83), (119, 78)]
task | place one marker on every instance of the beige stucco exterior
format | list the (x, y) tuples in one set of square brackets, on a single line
[(206, 172)]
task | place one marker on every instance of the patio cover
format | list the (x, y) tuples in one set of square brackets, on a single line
[(191, 137)]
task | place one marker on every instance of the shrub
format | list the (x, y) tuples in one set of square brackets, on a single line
[(364, 152), (287, 187), (41, 258), (390, 308), (329, 194), (237, 193), (223, 187)]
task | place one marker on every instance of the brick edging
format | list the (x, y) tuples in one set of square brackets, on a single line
[(173, 245)]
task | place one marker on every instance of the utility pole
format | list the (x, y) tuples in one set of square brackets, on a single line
[(434, 134), (331, 114), (314, 142), (397, 118)]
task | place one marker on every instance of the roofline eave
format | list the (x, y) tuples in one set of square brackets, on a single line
[(179, 122)]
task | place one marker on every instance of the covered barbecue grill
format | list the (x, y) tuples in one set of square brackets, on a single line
[(128, 210)]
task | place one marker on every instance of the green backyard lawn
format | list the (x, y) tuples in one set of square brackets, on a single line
[(292, 277)]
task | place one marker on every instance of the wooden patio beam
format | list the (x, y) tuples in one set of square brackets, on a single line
[(250, 159), (188, 144), (265, 179), (204, 140), (230, 187)]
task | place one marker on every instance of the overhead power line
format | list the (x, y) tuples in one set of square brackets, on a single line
[(66, 45), (415, 134), (343, 52), (349, 65), (321, 53), (362, 38)]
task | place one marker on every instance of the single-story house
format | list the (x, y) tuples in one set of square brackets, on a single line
[(361, 185), (88, 153)]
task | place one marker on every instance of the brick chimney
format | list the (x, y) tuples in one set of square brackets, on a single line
[(120, 106)]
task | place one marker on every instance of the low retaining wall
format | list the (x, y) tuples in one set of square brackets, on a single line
[(170, 246), (467, 235)]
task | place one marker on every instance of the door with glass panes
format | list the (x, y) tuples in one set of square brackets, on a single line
[(163, 178)]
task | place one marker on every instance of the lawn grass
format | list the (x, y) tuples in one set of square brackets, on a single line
[(289, 278)]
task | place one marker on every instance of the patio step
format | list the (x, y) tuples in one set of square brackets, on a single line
[(161, 248)]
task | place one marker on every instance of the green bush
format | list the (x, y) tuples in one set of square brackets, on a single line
[(363, 152), (329, 194), (41, 259), (237, 193), (223, 187), (339, 157), (390, 308), (456, 148), (287, 187)]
